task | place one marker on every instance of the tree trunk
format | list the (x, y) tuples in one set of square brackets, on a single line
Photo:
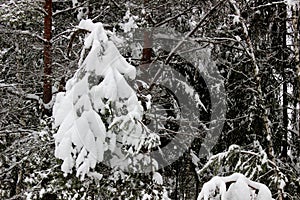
[(260, 103), (285, 102), (296, 44), (147, 49), (47, 88), (285, 115)]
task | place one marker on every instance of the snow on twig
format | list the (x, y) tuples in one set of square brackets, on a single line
[(193, 31), (19, 32)]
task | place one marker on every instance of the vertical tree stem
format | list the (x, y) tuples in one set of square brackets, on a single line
[(265, 115), (147, 48), (285, 102), (295, 24), (47, 88)]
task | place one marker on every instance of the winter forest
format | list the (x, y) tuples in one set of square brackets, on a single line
[(148, 99)]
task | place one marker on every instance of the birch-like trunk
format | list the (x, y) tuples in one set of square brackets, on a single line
[(260, 96)]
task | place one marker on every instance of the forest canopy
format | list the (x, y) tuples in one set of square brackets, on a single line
[(149, 99)]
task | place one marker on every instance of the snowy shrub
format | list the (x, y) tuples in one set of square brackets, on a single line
[(240, 188), (251, 162), (99, 113)]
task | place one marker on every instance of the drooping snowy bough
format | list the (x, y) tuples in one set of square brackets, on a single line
[(99, 112), (240, 188)]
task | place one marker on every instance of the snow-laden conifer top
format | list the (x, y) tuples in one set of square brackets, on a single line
[(99, 112)]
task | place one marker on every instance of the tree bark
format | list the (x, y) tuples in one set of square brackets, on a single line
[(147, 48), (283, 30), (296, 44), (285, 115), (260, 103), (47, 79)]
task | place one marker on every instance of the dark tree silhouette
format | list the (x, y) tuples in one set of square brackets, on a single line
[(47, 88)]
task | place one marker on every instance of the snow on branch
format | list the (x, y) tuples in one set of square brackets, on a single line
[(99, 112), (189, 34), (59, 12), (253, 163), (293, 3), (270, 4), (19, 32), (240, 188)]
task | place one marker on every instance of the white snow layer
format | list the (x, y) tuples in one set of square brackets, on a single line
[(293, 3), (157, 178), (82, 138), (241, 188), (129, 22)]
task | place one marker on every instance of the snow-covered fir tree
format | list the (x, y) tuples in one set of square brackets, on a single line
[(99, 115)]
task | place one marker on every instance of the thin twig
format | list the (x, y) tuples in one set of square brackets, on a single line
[(194, 30), (269, 4), (67, 10), (34, 35), (176, 16)]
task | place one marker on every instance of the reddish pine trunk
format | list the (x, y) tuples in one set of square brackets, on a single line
[(47, 90), (147, 50)]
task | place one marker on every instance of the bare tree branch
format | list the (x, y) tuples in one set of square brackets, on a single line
[(20, 32), (194, 30)]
